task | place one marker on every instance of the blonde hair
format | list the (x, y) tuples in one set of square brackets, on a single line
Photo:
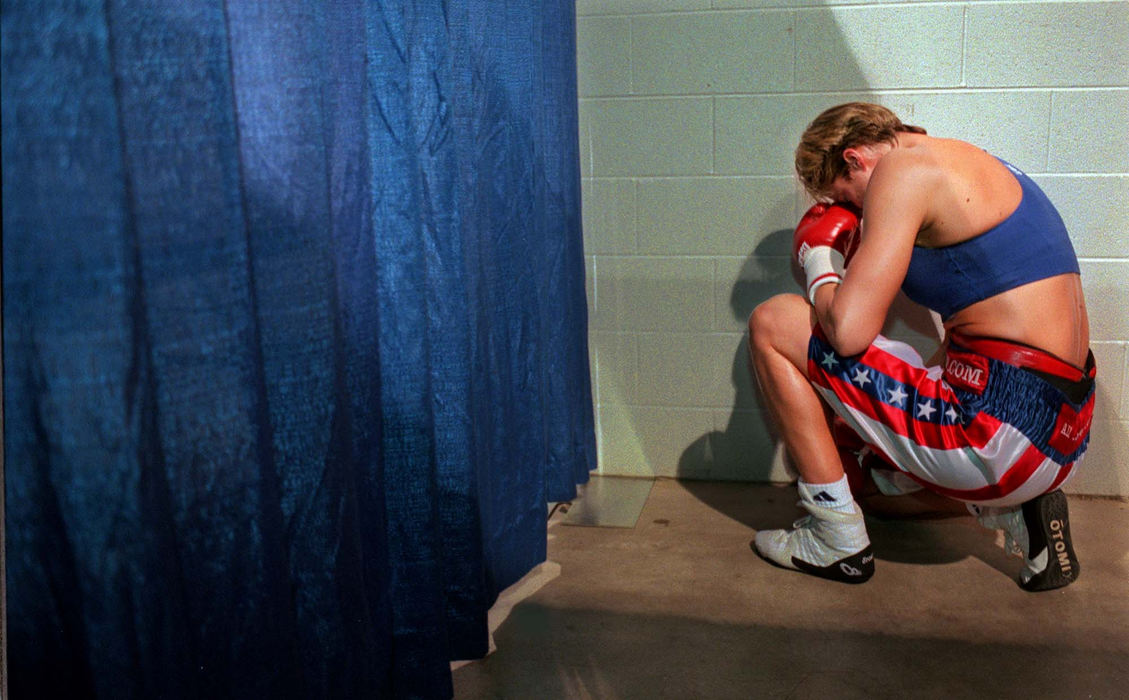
[(819, 157)]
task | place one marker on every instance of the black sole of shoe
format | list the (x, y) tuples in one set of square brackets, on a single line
[(857, 568), (1048, 527)]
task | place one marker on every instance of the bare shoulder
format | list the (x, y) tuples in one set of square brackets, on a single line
[(918, 167), (960, 160), (966, 190), (902, 186)]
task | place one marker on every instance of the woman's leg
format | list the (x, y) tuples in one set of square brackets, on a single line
[(779, 330), (831, 542)]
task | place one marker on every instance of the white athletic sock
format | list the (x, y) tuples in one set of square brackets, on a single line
[(833, 496)]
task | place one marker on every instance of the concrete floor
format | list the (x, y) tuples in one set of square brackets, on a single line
[(679, 607)]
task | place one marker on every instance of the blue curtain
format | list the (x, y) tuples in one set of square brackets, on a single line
[(294, 338)]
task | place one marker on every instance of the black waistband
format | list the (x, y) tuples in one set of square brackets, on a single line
[(1076, 391)]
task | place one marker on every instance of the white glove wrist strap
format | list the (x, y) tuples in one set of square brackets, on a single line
[(822, 265)]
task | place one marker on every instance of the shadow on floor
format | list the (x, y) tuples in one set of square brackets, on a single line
[(907, 541), (552, 653), (678, 607)]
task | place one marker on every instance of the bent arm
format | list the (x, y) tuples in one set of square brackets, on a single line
[(894, 211)]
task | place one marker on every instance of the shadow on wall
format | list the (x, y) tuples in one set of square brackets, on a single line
[(746, 449), (825, 72)]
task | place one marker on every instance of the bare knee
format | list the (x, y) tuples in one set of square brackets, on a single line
[(781, 325)]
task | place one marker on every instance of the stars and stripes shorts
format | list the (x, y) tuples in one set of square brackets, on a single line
[(996, 424)]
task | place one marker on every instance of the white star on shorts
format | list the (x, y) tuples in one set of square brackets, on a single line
[(897, 396), (952, 414), (861, 377), (925, 410), (829, 360)]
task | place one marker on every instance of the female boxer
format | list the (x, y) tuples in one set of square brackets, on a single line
[(1003, 419)]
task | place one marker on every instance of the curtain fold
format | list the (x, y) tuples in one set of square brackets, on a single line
[(294, 338)]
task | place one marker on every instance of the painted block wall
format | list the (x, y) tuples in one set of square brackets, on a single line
[(689, 113)]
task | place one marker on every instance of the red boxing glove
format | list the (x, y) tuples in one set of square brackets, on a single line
[(825, 239)]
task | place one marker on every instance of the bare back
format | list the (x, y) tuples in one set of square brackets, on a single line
[(974, 192)]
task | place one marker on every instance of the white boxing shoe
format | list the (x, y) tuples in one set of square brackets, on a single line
[(827, 543)]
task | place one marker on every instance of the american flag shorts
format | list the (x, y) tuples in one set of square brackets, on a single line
[(995, 424)]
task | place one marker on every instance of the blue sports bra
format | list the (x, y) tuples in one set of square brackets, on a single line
[(1029, 245)]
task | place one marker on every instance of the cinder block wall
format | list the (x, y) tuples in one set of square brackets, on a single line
[(689, 111)]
